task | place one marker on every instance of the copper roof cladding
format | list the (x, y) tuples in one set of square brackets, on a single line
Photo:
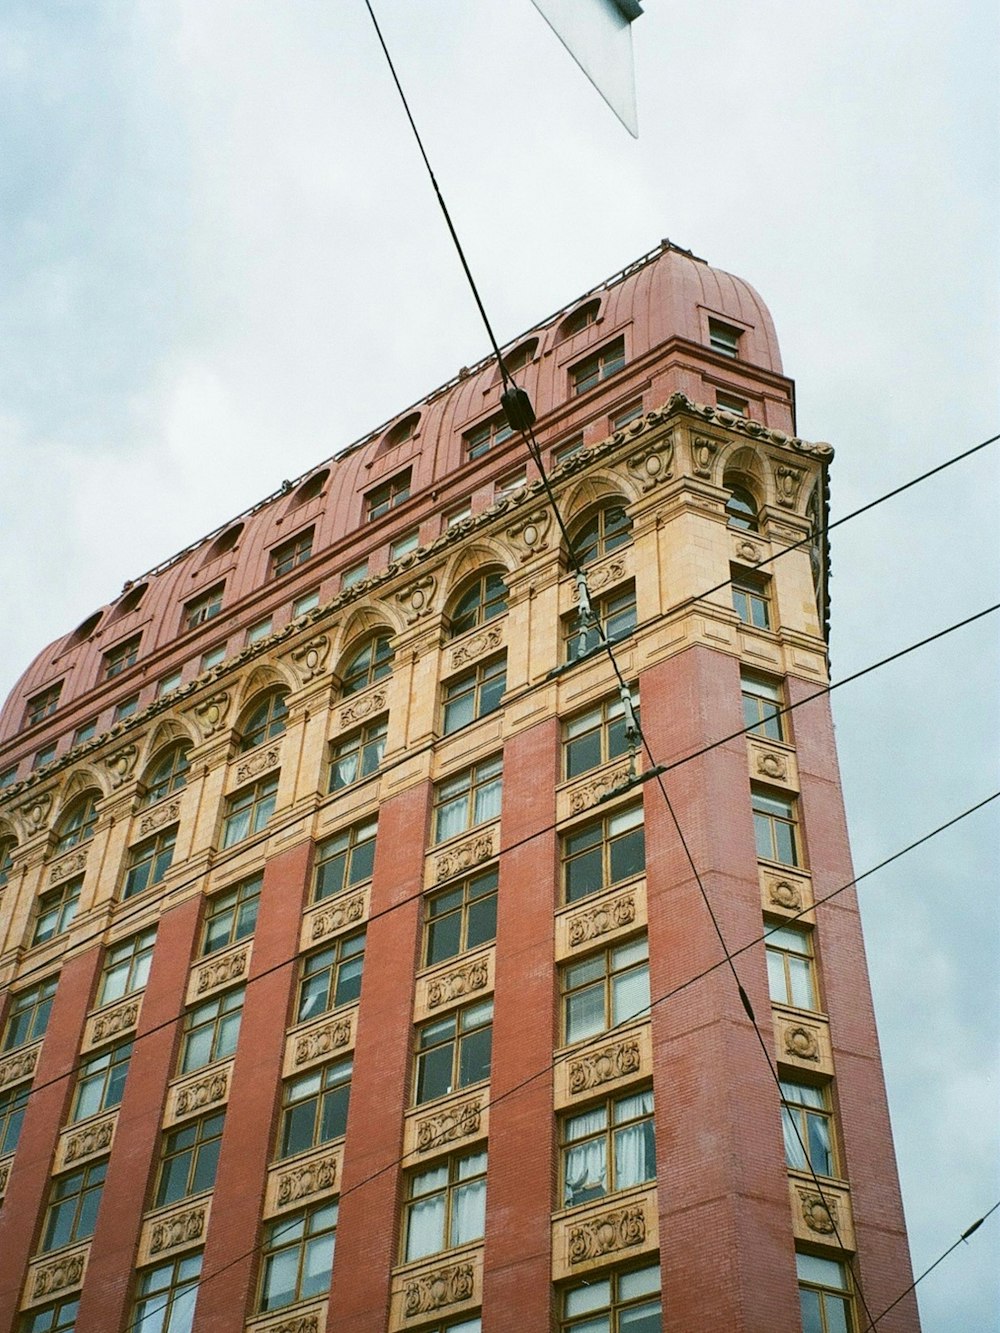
[(665, 295)]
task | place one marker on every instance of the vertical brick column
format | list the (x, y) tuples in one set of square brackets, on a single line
[(519, 1182), (883, 1259), (23, 1203), (725, 1224), (106, 1291), (230, 1261), (369, 1210)]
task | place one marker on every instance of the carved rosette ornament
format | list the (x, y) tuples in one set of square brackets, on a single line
[(86, 1142), (607, 573), (789, 479), (819, 1214), (748, 551), (417, 598), (435, 1290), (619, 1229), (211, 713), (530, 533), (301, 1182), (222, 970), (476, 645), (599, 920), (59, 1275), (458, 983), (464, 856), (35, 812), (322, 1041), (114, 1021), (801, 1042), (784, 893), (651, 465), (259, 762), (165, 813), (310, 657), (338, 916), (179, 1229), (69, 865), (618, 1060), (771, 765), (456, 1122), (121, 763), (703, 453), (203, 1092), (363, 706), (589, 793), (19, 1066)]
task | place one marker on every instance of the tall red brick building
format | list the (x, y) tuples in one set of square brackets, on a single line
[(347, 981)]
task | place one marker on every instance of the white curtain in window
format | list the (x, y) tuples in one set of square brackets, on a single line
[(468, 1212), (451, 819), (586, 1171), (634, 1157), (794, 1155), (425, 1231)]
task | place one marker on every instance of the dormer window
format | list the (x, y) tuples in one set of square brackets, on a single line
[(388, 496), (578, 320), (598, 367), (723, 338), (42, 705)]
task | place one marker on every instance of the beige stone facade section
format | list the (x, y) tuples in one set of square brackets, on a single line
[(439, 1126), (314, 1042), (79, 1143), (621, 1226), (601, 918), (300, 1319), (170, 1231), (113, 1020), (55, 1275), (201, 1091), (787, 893), (772, 763), (821, 1214), (20, 1065), (802, 1041), (436, 1289), (454, 983), (219, 971), (604, 1064), (333, 916), (304, 1179)]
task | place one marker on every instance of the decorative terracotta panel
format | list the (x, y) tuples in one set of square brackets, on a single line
[(202, 1091), (333, 1034), (454, 983), (78, 1143), (604, 1065), (219, 971), (115, 1020), (445, 1286), (619, 1227), (303, 1179)]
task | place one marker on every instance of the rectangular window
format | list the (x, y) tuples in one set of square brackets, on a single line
[(73, 1202), (468, 799), (358, 755), (100, 1083), (56, 910), (389, 495), (751, 599), (627, 1302), (43, 756), (569, 449), (481, 439), (446, 1206), (617, 615), (212, 658), (166, 1296), (459, 515), (331, 977), (249, 810), (296, 551), (353, 576), (190, 1158), (121, 657), (602, 854), (790, 967), (730, 403), (824, 1295), (167, 684), (85, 733), (297, 1256), (762, 704), (453, 1052), (460, 918), (774, 827), (314, 1108), (626, 415), (59, 1317), (126, 966), (259, 631), (474, 694), (149, 861), (211, 1030), (607, 1148), (606, 989), (126, 708), (599, 366), (307, 602), (404, 545), (345, 860), (42, 705), (13, 1104), (204, 607), (807, 1126), (509, 484), (28, 1014), (723, 338), (231, 915), (9, 776), (597, 736)]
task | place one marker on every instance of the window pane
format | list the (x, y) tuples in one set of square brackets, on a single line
[(585, 1013), (629, 994), (474, 1057)]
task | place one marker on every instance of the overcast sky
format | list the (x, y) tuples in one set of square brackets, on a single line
[(222, 262)]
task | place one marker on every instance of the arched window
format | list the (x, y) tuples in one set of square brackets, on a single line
[(482, 600), (371, 663), (7, 848), (84, 631), (223, 543), (601, 534), (310, 488), (168, 773), (741, 509), (579, 319), (402, 431), (130, 601), (77, 824), (265, 720)]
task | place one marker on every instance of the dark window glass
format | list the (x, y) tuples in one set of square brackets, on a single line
[(461, 918), (314, 1108)]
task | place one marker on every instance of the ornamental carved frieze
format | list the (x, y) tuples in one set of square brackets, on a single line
[(258, 762), (211, 713), (72, 864), (619, 1229), (202, 1092), (818, 1213), (651, 465), (363, 706), (801, 1042), (301, 1182), (748, 551), (770, 764), (230, 967), (609, 572), (617, 1060), (92, 1139), (464, 856), (297, 1323), (455, 1122), (167, 812), (703, 453), (476, 645), (530, 533), (121, 764), (344, 912), (310, 658), (119, 1019), (316, 1043), (35, 813), (599, 920), (19, 1066), (185, 1228), (427, 1292), (784, 893), (4, 1176), (789, 480), (417, 598), (459, 982), (588, 793), (59, 1275)]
